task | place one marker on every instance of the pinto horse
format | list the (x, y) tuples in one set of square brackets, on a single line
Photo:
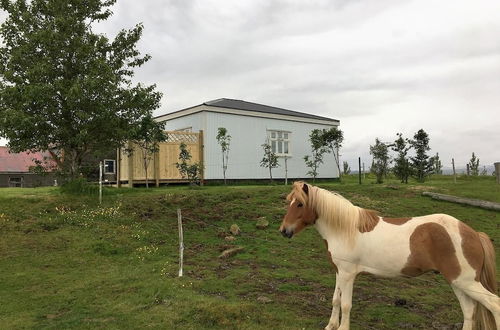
[(359, 240)]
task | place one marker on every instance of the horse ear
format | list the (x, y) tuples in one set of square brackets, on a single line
[(305, 188)]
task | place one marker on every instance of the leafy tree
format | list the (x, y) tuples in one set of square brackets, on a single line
[(224, 141), (64, 88), (484, 171), (474, 165), (422, 165), (380, 164), (347, 169), (147, 136), (270, 160), (188, 171), (438, 166), (332, 140), (401, 164), (318, 150)]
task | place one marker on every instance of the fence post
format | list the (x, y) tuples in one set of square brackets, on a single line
[(181, 241), (454, 172), (100, 182), (359, 169)]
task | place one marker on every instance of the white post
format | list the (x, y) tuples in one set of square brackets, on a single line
[(100, 182), (181, 241)]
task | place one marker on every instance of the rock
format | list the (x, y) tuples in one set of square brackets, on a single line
[(230, 238), (264, 300), (262, 223), (231, 252), (439, 326), (235, 229)]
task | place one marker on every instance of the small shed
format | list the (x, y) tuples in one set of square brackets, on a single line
[(251, 125)]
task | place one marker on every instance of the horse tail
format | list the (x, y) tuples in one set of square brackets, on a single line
[(483, 317)]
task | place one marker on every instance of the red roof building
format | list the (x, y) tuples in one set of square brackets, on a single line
[(15, 169)]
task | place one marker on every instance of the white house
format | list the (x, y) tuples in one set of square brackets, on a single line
[(250, 125)]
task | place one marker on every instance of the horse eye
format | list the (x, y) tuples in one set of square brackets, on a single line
[(300, 205)]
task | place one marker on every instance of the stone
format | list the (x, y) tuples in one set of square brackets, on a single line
[(235, 229), (264, 300), (262, 223), (230, 252)]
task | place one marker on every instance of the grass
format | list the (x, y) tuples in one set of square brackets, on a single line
[(66, 262)]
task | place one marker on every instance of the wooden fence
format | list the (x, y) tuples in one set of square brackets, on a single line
[(161, 168)]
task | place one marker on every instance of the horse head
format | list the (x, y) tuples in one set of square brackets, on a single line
[(300, 213)]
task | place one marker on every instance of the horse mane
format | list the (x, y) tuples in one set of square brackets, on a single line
[(340, 214)]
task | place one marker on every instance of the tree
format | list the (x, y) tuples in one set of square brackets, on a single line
[(224, 141), (318, 149), (147, 135), (187, 171), (474, 165), (64, 88), (438, 166), (380, 164), (332, 139), (401, 164), (422, 165), (347, 169), (270, 160), (484, 171)]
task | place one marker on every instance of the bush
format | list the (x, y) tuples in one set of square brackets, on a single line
[(79, 187)]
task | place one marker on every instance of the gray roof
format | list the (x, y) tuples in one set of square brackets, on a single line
[(250, 106), (256, 107)]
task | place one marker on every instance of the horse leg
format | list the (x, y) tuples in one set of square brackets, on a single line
[(476, 291), (467, 304), (333, 324), (346, 282)]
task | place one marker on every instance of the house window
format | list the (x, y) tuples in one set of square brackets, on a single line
[(109, 166), (16, 182), (280, 142)]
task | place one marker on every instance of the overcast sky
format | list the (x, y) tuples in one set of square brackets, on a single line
[(380, 67)]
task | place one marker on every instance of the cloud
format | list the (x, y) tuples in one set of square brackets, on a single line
[(380, 67)]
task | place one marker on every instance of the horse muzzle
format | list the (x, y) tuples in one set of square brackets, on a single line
[(287, 233)]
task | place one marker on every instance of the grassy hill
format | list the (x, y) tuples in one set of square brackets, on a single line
[(66, 262)]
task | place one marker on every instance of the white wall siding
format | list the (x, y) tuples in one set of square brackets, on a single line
[(248, 134), (195, 121)]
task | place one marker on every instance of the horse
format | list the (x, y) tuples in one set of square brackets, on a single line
[(361, 241)]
